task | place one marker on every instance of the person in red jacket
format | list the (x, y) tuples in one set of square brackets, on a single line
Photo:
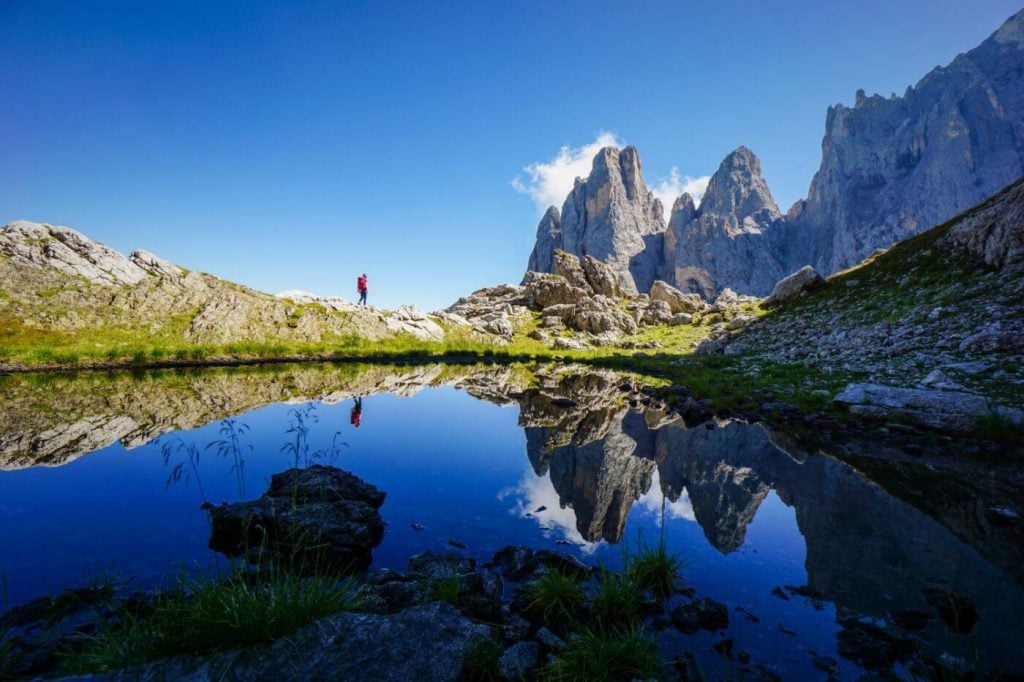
[(361, 288), (357, 412)]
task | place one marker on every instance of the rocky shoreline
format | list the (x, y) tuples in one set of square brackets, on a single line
[(448, 616)]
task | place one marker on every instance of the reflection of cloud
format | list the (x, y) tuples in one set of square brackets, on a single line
[(556, 522), (652, 500)]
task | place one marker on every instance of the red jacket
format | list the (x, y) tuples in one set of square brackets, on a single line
[(361, 284)]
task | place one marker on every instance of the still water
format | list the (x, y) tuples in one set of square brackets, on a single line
[(96, 480)]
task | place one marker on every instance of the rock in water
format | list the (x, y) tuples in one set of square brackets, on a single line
[(317, 516), (792, 287), (611, 216)]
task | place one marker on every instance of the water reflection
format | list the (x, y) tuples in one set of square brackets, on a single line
[(597, 455)]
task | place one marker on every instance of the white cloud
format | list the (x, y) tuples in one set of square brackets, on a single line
[(548, 183), (670, 188)]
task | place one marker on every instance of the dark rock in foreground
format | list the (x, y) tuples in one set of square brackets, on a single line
[(426, 642), (315, 517)]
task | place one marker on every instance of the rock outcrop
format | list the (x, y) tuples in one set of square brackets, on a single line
[(57, 279), (69, 251), (611, 216), (994, 232)]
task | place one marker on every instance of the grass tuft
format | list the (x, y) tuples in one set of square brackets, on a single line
[(619, 601), (555, 596), (607, 655), (653, 568), (204, 617)]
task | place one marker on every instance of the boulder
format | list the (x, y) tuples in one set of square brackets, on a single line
[(658, 312), (547, 290), (677, 301), (519, 660), (792, 287), (320, 515), (956, 410), (601, 277), (568, 266)]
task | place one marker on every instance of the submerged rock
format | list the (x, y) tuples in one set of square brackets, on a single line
[(318, 515)]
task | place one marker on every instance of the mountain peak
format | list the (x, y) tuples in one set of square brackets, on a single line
[(738, 188)]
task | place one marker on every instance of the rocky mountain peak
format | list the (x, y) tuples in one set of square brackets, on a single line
[(611, 216), (738, 188), (1012, 31)]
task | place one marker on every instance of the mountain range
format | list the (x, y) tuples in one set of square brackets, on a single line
[(891, 168)]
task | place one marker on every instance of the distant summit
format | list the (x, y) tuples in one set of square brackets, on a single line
[(891, 167)]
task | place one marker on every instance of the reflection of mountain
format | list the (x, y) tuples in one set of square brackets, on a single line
[(51, 420), (868, 551)]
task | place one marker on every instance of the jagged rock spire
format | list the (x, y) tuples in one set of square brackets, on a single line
[(612, 216)]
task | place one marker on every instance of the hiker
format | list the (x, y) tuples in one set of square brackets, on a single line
[(357, 409), (361, 288)]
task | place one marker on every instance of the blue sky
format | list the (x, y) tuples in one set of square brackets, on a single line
[(294, 145)]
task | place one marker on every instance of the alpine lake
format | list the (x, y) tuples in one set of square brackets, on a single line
[(103, 477)]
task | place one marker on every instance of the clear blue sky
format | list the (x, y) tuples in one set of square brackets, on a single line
[(294, 145)]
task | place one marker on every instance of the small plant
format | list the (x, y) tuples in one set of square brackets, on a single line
[(481, 662), (555, 595), (447, 588), (996, 427), (608, 655), (230, 445), (619, 601), (301, 417), (653, 568)]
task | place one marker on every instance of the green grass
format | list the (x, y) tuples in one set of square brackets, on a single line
[(598, 655), (654, 568), (447, 588), (998, 428), (205, 617), (618, 602), (556, 596), (482, 662)]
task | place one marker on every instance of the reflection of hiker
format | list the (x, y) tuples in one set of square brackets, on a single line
[(361, 288), (357, 412)]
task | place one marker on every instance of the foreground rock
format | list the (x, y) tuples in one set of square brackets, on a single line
[(316, 516), (795, 285), (955, 410), (427, 642)]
